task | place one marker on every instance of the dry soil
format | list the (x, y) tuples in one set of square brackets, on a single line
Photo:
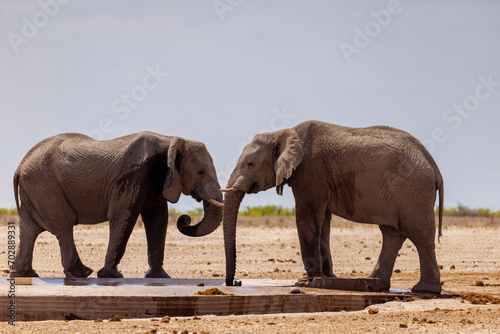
[(469, 254)]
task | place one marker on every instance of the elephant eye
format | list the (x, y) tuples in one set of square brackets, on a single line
[(250, 164), (201, 172)]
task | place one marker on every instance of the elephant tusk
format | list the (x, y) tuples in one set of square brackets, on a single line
[(229, 190), (214, 202)]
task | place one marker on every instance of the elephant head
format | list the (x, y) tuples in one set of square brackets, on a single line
[(190, 171), (267, 161)]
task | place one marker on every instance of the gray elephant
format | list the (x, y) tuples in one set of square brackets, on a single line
[(374, 175), (73, 179)]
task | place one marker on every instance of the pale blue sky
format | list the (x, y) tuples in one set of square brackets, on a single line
[(222, 71)]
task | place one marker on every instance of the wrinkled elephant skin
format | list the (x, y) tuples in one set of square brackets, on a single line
[(73, 179), (375, 175)]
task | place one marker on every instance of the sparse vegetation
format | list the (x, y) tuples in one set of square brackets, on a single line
[(268, 211), (195, 212), (464, 211), (273, 211), (4, 211)]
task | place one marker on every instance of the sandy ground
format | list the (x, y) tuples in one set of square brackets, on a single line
[(469, 254)]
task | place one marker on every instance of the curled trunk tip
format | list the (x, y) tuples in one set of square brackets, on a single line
[(210, 222)]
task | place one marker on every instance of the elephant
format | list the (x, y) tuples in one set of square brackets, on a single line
[(374, 175), (71, 179)]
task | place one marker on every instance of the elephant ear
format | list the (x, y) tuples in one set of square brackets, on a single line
[(172, 187), (288, 155)]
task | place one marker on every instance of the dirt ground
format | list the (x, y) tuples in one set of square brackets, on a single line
[(469, 254)]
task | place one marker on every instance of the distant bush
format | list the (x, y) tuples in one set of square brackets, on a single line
[(4, 211), (261, 211), (464, 211), (268, 210), (195, 212), (459, 211), (272, 211)]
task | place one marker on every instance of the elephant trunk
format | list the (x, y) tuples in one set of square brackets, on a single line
[(232, 201), (211, 219)]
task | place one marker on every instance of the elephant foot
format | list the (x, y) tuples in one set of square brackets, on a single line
[(310, 277), (427, 287), (156, 273), (109, 273), (78, 271), (384, 286), (24, 273), (232, 282)]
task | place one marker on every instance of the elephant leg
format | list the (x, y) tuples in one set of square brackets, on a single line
[(28, 232), (430, 278), (53, 213), (155, 223), (73, 266), (309, 248), (326, 255), (309, 238), (119, 233), (392, 240)]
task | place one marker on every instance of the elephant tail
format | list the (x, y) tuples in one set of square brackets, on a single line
[(16, 188), (440, 187)]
